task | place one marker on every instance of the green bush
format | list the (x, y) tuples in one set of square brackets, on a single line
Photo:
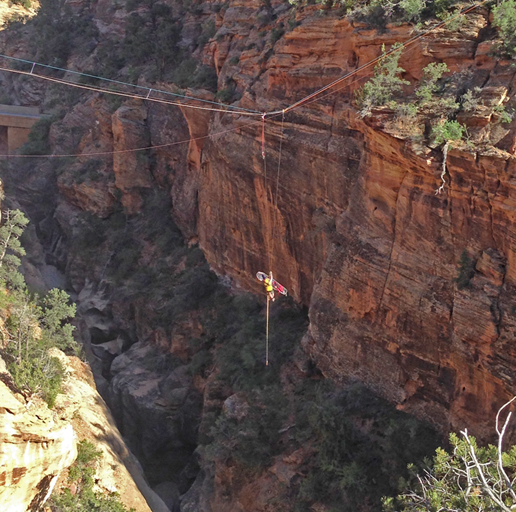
[(412, 9), (502, 114), (361, 443), (241, 358), (276, 34), (58, 31), (384, 84), (448, 131), (24, 3), (208, 31), (34, 329), (206, 77), (37, 373), (466, 270), (152, 34), (85, 498), (504, 18), (254, 439), (55, 316), (89, 171), (31, 329), (428, 86), (11, 250), (454, 482), (225, 95)]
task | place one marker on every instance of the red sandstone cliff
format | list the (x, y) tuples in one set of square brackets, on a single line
[(359, 233)]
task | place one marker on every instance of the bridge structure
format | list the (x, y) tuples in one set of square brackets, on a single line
[(15, 125)]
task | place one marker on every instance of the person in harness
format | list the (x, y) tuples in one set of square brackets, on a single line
[(271, 285), (268, 287)]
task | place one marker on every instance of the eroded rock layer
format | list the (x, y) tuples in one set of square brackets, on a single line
[(35, 447)]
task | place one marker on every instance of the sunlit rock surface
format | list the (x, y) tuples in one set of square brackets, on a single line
[(36, 445)]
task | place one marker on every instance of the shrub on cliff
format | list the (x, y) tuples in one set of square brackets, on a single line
[(469, 478), (448, 131), (58, 32), (31, 330), (85, 498), (24, 3), (38, 143), (31, 327), (11, 249), (504, 18), (151, 39), (384, 85), (466, 271)]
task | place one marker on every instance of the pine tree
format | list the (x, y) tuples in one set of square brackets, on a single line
[(11, 250), (384, 85)]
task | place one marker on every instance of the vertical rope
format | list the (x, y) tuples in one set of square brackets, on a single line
[(277, 181), (263, 135), (267, 236), (267, 334)]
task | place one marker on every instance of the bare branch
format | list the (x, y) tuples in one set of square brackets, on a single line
[(501, 433), (480, 470)]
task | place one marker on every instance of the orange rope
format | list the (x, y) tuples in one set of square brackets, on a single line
[(127, 95), (105, 153)]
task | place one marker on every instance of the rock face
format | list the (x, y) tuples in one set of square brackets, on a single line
[(35, 447), (384, 293), (356, 230), (38, 444), (158, 410), (343, 209), (87, 412)]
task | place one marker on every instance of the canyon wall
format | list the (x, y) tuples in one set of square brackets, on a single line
[(344, 209), (356, 230), (408, 290), (39, 444)]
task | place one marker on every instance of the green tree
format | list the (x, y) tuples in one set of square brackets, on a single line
[(31, 329), (428, 85), (504, 18), (466, 270), (412, 9), (385, 83), (470, 478), (448, 131), (11, 250), (56, 311)]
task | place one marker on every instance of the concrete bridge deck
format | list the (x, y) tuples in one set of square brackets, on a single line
[(15, 125)]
